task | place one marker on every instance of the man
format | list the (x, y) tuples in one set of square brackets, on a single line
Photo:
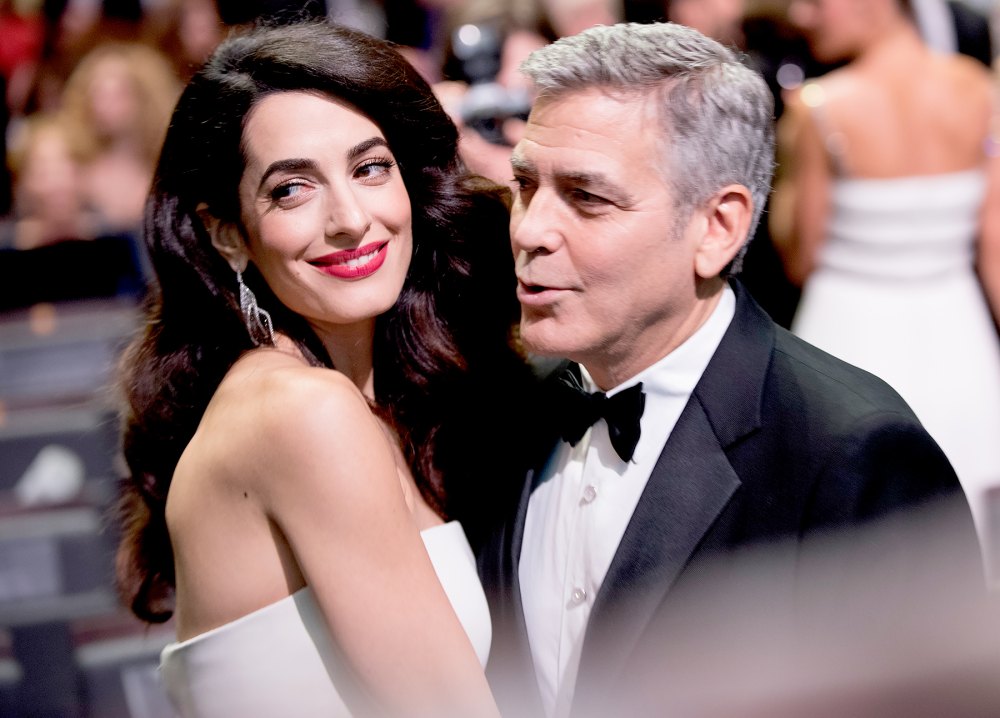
[(642, 171)]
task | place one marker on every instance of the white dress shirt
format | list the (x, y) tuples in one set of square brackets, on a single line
[(579, 512)]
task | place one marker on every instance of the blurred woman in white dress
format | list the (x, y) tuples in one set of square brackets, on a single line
[(887, 209), (316, 395)]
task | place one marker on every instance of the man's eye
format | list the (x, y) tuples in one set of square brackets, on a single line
[(583, 195)]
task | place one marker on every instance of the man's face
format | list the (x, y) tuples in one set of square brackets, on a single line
[(604, 278)]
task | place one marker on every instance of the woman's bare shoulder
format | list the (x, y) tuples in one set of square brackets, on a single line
[(820, 96), (963, 68), (280, 385), (959, 81), (275, 415)]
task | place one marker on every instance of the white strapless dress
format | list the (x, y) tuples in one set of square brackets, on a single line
[(895, 292), (281, 659)]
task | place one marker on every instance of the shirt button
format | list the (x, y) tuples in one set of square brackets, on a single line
[(578, 596), (589, 493)]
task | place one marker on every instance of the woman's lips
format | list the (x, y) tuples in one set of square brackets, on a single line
[(353, 263)]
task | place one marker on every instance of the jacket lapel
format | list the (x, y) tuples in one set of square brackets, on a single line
[(688, 488)]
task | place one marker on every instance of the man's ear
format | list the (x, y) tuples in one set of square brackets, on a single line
[(226, 238), (727, 221)]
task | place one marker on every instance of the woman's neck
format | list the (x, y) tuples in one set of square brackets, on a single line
[(897, 43), (351, 350)]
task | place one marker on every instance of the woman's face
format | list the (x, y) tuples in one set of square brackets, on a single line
[(721, 20), (832, 27), (327, 217), (50, 181), (114, 102)]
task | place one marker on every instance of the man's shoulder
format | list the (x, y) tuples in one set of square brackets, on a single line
[(762, 367), (804, 373), (839, 439)]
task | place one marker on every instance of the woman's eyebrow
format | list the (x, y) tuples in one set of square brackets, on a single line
[(297, 164), (362, 147), (294, 164)]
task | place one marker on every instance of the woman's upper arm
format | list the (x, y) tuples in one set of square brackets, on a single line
[(802, 192), (331, 485)]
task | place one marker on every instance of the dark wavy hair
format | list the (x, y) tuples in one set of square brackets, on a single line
[(444, 358)]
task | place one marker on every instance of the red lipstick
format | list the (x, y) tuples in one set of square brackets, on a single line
[(353, 263)]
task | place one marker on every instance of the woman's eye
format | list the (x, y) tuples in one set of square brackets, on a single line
[(375, 168), (285, 192)]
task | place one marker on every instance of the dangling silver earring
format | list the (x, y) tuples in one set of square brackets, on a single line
[(258, 320)]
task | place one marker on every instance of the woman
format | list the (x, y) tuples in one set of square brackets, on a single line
[(888, 206), (119, 98), (309, 212), (48, 195)]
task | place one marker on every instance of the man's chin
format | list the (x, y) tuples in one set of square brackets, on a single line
[(543, 339)]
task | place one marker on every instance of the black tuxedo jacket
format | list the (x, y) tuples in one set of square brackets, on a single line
[(779, 440)]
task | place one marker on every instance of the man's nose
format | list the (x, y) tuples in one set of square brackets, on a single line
[(535, 224)]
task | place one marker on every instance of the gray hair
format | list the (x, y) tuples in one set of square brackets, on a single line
[(717, 113)]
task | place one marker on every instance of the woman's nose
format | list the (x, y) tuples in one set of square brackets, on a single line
[(348, 216)]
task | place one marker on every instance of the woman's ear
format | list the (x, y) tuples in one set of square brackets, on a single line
[(728, 216), (226, 238)]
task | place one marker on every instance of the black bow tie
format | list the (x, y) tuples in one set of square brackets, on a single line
[(579, 410)]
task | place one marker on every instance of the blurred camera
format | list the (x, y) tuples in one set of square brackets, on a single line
[(487, 104)]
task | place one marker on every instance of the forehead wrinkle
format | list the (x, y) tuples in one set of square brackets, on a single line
[(522, 163), (590, 180)]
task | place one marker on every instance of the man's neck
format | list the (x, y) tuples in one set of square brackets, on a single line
[(614, 369)]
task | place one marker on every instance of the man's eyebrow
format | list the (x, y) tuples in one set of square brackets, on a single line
[(599, 184), (523, 165)]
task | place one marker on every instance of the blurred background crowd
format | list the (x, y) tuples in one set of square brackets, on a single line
[(89, 86), (88, 89)]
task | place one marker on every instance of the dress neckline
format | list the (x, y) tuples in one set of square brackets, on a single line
[(275, 606), (968, 173)]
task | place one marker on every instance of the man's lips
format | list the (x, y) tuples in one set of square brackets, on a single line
[(353, 263), (528, 293)]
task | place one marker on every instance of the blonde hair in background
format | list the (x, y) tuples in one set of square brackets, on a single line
[(152, 80)]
